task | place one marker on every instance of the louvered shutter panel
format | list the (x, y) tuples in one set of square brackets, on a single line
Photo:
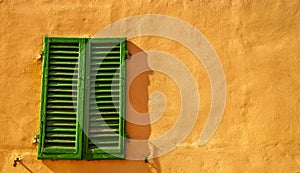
[(60, 131), (105, 98)]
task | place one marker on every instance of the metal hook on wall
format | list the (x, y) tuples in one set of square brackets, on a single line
[(17, 159)]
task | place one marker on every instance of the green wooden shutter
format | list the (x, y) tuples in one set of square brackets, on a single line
[(60, 131), (105, 98)]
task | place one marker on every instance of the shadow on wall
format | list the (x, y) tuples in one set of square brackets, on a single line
[(138, 98)]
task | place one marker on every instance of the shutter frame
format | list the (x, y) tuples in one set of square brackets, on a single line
[(45, 152)]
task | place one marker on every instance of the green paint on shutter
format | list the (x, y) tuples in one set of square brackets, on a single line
[(105, 99), (83, 87), (62, 90)]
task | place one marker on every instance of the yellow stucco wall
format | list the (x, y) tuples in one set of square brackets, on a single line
[(257, 43)]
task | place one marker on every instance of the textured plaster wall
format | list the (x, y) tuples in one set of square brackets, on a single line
[(258, 45)]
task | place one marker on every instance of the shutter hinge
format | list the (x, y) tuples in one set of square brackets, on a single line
[(126, 136), (42, 53), (35, 139)]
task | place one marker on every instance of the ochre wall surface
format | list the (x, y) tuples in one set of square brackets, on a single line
[(258, 43)]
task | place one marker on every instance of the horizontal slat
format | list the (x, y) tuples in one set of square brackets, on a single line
[(100, 53), (61, 112), (114, 79), (104, 113), (115, 118), (103, 131), (62, 79), (56, 118), (56, 101), (56, 129), (104, 90), (107, 78), (61, 57), (107, 96), (106, 42), (103, 138), (60, 107), (105, 85), (68, 148), (105, 68), (59, 141), (63, 63), (106, 74), (61, 51), (104, 121), (103, 46), (105, 117), (104, 101), (103, 57), (65, 46), (61, 135), (114, 142), (61, 89), (62, 96), (92, 101), (53, 73), (55, 84), (61, 68), (103, 95), (105, 107), (105, 63), (99, 135), (57, 123), (103, 126)]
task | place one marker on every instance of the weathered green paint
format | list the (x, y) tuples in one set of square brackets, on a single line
[(116, 152), (51, 130), (55, 119)]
